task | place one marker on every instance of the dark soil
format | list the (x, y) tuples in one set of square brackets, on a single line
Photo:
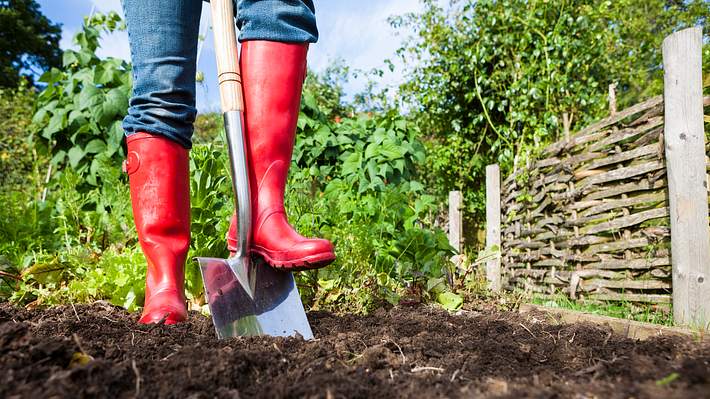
[(100, 351)]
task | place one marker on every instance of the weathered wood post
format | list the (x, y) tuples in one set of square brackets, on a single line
[(455, 220), (493, 225), (687, 184), (612, 99)]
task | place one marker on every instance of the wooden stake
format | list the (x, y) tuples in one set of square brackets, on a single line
[(612, 99), (493, 225), (685, 163), (455, 220), (566, 124)]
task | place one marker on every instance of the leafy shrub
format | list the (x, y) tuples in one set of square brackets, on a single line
[(80, 111), (354, 182), (17, 159)]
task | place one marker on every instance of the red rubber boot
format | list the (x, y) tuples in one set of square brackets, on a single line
[(273, 74), (158, 172)]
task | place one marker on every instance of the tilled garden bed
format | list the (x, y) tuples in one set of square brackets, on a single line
[(100, 351)]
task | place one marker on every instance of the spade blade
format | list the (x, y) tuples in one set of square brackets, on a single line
[(248, 297)]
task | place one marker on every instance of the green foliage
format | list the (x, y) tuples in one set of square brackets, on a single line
[(212, 205), (354, 182), (79, 275), (96, 218), (365, 153), (79, 113), (28, 40), (75, 246), (490, 80), (57, 234), (17, 159)]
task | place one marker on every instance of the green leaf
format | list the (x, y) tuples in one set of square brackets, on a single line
[(667, 379), (95, 146), (39, 116), (89, 96), (351, 164), (84, 57), (106, 73), (379, 135), (323, 134), (57, 122), (449, 300), (85, 76), (115, 137), (69, 58), (390, 150), (130, 300), (51, 76), (371, 150), (115, 105), (75, 155), (415, 186), (58, 157)]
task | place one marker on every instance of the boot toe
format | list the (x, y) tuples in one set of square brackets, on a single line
[(166, 307), (310, 247), (166, 316)]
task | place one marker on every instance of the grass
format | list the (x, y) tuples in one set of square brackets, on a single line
[(620, 309)]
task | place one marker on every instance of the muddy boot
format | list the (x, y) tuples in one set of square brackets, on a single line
[(158, 172), (273, 75)]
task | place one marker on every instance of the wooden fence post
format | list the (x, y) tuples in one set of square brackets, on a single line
[(493, 225), (687, 185), (612, 99), (455, 220)]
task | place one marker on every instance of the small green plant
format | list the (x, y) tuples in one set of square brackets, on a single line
[(212, 205)]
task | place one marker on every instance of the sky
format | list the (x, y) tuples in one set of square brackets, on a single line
[(355, 31)]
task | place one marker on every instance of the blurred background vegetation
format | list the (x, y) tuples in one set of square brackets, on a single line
[(488, 81)]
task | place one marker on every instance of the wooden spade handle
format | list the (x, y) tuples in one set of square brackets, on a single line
[(225, 43)]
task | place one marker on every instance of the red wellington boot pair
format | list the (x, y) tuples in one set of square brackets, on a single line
[(158, 171)]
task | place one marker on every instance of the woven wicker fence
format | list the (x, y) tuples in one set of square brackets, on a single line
[(615, 211), (591, 217)]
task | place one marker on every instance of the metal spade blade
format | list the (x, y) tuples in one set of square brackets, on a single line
[(255, 300)]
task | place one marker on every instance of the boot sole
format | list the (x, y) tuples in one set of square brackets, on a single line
[(310, 262)]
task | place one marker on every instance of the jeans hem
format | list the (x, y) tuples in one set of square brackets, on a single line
[(186, 144)]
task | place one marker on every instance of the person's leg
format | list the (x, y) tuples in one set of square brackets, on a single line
[(286, 21), (275, 37), (163, 41)]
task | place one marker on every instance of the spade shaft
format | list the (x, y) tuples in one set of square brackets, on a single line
[(245, 295)]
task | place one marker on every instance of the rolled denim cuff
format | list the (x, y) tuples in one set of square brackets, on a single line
[(175, 124), (289, 21)]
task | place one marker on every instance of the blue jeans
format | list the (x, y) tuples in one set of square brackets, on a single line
[(163, 40)]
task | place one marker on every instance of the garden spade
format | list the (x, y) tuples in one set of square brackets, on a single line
[(245, 295)]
